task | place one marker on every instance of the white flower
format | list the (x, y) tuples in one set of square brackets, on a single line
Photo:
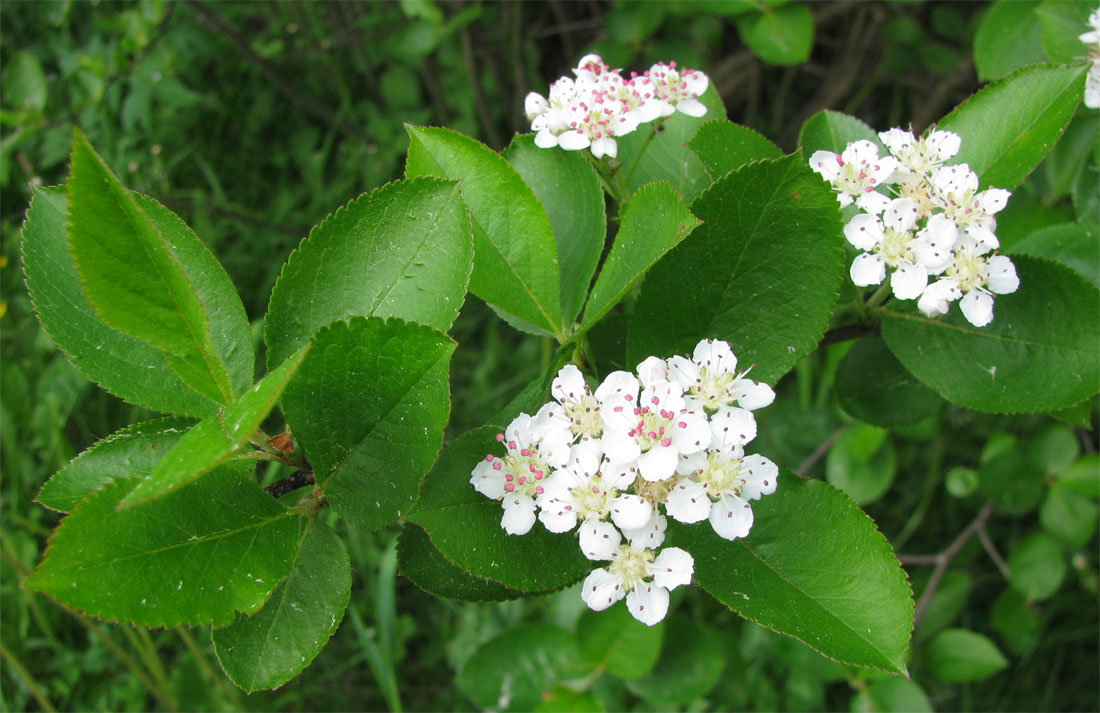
[(1092, 81), (975, 278), (536, 445), (710, 379), (856, 173), (971, 210), (718, 485), (678, 90), (917, 157), (593, 123), (641, 576), (579, 406), (549, 118), (890, 241), (583, 492), (652, 428)]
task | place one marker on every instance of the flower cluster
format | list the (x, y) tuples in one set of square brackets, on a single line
[(670, 437), (937, 224), (1092, 81), (600, 105)]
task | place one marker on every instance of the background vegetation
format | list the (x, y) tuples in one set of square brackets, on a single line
[(255, 120)]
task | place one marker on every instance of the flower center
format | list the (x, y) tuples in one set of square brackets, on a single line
[(631, 566), (652, 492), (713, 388), (919, 191), (721, 475), (653, 426), (963, 209), (524, 471), (584, 414), (594, 499), (968, 270), (895, 246)]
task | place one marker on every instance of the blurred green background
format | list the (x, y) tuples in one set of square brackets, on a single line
[(254, 120)]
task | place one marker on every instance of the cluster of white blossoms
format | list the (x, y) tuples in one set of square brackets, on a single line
[(669, 437), (600, 105), (1092, 81), (936, 225)]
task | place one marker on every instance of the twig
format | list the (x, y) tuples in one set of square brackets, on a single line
[(298, 479), (849, 331), (820, 451), (994, 555), (944, 558)]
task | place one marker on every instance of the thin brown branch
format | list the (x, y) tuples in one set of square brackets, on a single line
[(991, 550), (480, 105), (298, 479), (943, 559), (820, 452)]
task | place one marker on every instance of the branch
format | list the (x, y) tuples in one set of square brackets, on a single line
[(849, 331), (820, 451), (298, 479), (943, 559)]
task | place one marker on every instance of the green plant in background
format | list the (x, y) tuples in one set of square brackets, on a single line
[(692, 227)]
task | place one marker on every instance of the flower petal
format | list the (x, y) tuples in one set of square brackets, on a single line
[(731, 517), (691, 432), (672, 568), (1002, 278), (909, 280), (751, 394), (648, 603), (519, 514), (599, 540), (759, 476), (651, 536), (601, 589), (732, 426), (487, 480), (868, 269), (688, 502), (977, 307), (658, 463), (865, 231), (652, 370), (630, 511)]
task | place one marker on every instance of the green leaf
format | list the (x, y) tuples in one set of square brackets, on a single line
[(1040, 352), (892, 695), (763, 271), (654, 222), (132, 452), (1008, 38), (25, 85), (723, 146), (618, 643), (1014, 620), (1012, 480), (874, 387), (214, 439), (1081, 476), (465, 525), (1072, 244), (404, 250), (833, 131), (368, 406), (782, 35), (148, 275), (569, 189), (127, 367), (1054, 448), (813, 567), (1037, 567), (862, 462), (961, 482), (272, 646), (516, 268), (1010, 125), (659, 151), (1070, 155), (428, 569), (1062, 23), (962, 656), (1069, 516), (214, 547), (690, 665), (513, 671)]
